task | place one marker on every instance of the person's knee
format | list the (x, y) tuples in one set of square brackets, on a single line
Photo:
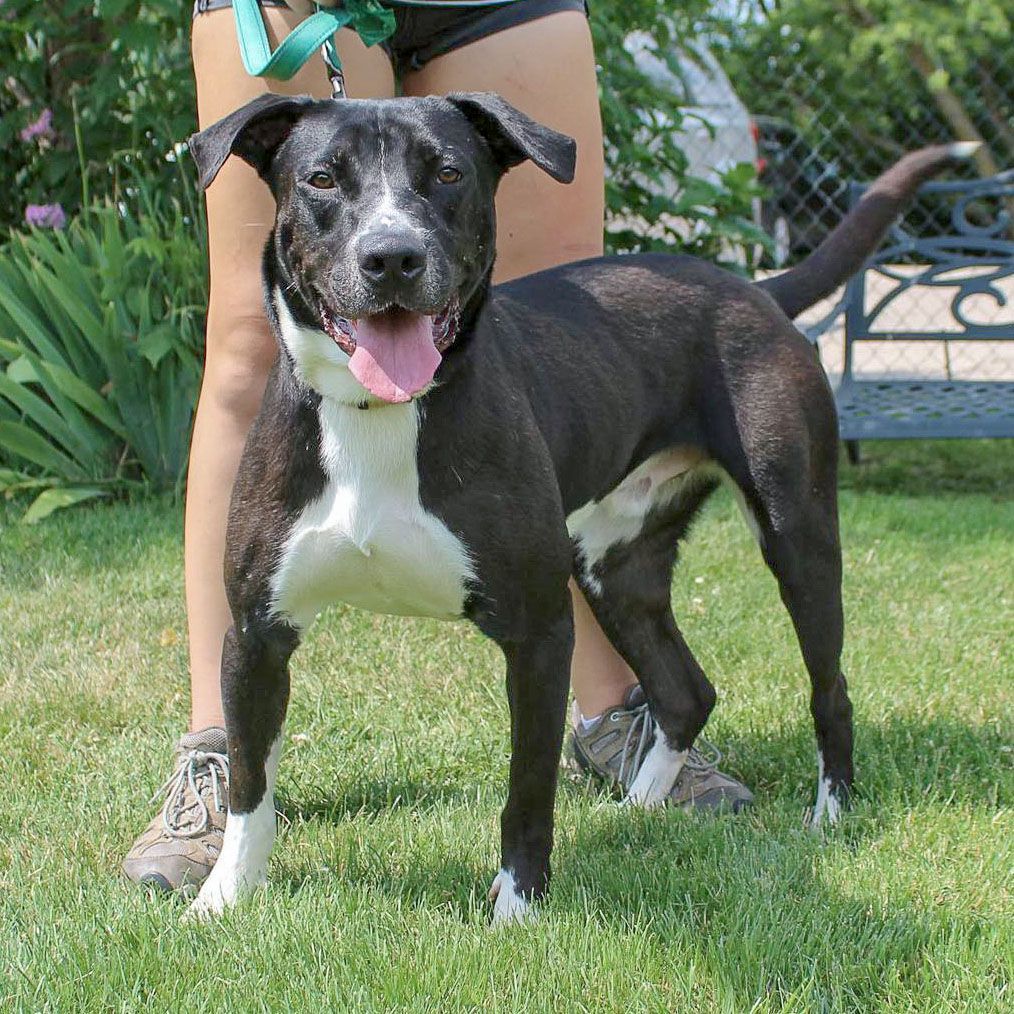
[(241, 352)]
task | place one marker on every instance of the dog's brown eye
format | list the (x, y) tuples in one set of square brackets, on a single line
[(448, 174), (322, 181)]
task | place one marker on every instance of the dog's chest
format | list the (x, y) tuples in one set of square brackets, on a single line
[(367, 540)]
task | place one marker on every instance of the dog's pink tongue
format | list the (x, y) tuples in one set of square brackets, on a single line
[(395, 357)]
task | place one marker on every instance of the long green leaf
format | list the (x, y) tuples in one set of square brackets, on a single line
[(8, 413), (86, 397), (82, 354), (74, 388), (91, 443), (20, 439), (67, 253), (31, 327), (55, 499), (43, 415), (86, 316), (113, 258)]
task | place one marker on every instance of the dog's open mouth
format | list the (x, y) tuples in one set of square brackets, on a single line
[(394, 354)]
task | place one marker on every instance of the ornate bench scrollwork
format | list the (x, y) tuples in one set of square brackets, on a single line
[(901, 295)]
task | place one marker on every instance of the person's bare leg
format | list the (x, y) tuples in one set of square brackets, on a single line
[(240, 347), (547, 69), (599, 676)]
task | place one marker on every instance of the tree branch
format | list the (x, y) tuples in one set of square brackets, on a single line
[(947, 102)]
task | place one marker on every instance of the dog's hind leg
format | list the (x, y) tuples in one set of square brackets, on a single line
[(255, 693), (788, 479), (806, 559), (628, 587)]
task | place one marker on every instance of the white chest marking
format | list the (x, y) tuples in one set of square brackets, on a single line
[(367, 540), (620, 515)]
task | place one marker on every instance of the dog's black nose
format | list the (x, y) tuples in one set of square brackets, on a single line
[(391, 258)]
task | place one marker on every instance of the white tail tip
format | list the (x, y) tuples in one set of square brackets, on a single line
[(964, 149)]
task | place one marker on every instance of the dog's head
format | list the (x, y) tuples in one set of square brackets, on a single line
[(385, 227)]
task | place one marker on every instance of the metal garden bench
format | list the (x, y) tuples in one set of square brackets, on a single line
[(973, 265)]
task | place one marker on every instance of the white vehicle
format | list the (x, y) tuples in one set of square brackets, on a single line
[(715, 134)]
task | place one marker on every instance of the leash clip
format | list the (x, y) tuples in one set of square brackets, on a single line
[(337, 84), (335, 73)]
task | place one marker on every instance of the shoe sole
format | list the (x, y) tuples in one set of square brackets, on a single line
[(156, 883)]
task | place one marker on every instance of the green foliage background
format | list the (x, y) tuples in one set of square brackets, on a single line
[(870, 79), (125, 67)]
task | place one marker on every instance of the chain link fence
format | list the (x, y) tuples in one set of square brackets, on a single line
[(817, 126)]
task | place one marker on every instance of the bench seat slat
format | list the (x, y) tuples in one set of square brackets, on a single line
[(900, 409)]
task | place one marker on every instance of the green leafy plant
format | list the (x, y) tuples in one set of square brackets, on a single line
[(100, 331), (124, 65), (653, 201)]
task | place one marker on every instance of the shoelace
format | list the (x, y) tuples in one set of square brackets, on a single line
[(643, 726), (194, 766)]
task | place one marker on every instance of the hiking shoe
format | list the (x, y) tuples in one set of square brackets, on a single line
[(615, 745), (181, 844)]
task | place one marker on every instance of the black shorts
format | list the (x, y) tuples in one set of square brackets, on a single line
[(421, 34)]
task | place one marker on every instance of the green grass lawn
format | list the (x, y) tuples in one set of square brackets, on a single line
[(395, 769)]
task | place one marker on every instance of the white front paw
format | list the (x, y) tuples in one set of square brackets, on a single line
[(221, 892), (509, 905)]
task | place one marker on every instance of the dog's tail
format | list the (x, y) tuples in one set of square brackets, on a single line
[(859, 234)]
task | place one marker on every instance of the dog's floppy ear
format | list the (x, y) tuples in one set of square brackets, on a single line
[(514, 137), (254, 132)]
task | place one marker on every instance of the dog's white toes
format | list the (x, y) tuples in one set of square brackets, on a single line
[(509, 906), (211, 902), (644, 800), (826, 809), (657, 775), (219, 894), (204, 909)]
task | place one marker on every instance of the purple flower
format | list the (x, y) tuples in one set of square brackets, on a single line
[(45, 216), (42, 127)]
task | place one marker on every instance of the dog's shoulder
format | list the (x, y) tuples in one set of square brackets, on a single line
[(281, 473)]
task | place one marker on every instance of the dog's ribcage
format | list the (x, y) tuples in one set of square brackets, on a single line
[(367, 540)]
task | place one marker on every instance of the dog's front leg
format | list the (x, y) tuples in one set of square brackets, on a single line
[(255, 693), (538, 674)]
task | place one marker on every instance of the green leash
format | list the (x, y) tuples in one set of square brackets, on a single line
[(372, 21)]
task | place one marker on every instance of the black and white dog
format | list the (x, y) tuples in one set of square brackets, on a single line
[(428, 445)]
